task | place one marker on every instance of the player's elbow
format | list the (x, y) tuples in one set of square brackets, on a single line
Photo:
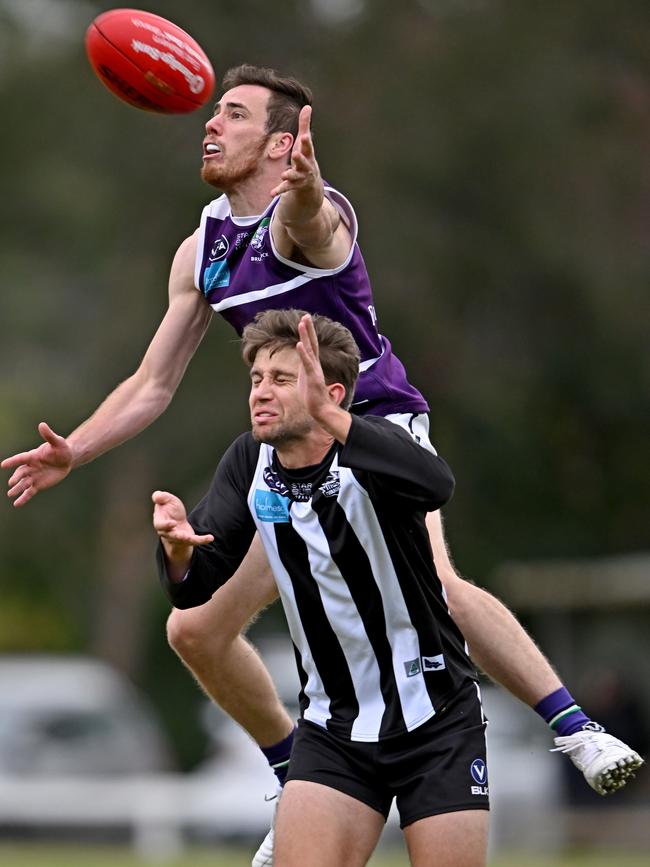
[(442, 485), (161, 394), (154, 394)]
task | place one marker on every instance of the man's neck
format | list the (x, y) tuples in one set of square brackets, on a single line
[(305, 453), (244, 203), (253, 196)]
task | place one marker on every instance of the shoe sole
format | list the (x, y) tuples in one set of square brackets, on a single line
[(616, 775)]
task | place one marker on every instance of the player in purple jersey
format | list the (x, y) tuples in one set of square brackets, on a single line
[(258, 151)]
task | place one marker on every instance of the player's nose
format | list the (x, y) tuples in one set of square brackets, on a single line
[(261, 391), (214, 125)]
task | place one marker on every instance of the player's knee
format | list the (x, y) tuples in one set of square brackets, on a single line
[(190, 636), (180, 634)]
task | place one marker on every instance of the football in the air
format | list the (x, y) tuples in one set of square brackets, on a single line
[(149, 62)]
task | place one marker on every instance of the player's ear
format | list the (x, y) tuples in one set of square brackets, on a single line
[(280, 145), (336, 393)]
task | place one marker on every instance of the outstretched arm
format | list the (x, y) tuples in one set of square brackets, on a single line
[(304, 218), (201, 551), (176, 533), (135, 403)]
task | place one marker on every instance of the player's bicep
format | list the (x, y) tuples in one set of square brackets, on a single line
[(183, 326), (395, 466)]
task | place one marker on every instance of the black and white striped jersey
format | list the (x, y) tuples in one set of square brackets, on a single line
[(377, 651)]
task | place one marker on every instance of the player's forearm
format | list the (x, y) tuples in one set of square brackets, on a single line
[(307, 218), (178, 559), (126, 412), (398, 463)]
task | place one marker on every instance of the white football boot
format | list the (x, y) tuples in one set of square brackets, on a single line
[(264, 855), (606, 762)]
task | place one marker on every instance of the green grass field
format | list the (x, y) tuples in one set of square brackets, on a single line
[(54, 855)]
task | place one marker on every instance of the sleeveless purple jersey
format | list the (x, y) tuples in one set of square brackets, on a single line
[(240, 273)]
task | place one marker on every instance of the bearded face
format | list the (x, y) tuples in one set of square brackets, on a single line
[(236, 137), (233, 164), (278, 415)]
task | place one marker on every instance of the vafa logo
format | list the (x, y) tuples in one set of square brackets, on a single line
[(219, 249), (478, 770)]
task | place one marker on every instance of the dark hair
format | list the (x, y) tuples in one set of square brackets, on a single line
[(278, 329), (288, 95)]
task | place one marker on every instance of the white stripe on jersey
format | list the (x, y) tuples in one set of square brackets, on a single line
[(369, 363), (318, 711), (344, 618), (258, 294), (401, 634), (484, 719)]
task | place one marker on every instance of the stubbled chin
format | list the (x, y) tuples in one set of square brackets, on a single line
[(210, 174), (264, 427), (262, 436)]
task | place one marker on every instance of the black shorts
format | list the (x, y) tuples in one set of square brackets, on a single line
[(439, 767)]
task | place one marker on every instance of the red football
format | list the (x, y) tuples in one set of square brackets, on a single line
[(149, 62)]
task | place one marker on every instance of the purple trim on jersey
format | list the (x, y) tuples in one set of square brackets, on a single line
[(240, 275)]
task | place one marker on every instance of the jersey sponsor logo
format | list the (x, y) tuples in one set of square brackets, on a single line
[(274, 482), (271, 507), (240, 240), (424, 664), (216, 276), (300, 491), (478, 770), (332, 484), (219, 249), (257, 240), (412, 667), (433, 663)]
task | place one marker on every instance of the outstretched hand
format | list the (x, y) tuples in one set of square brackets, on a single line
[(322, 401), (303, 173), (40, 468), (171, 524), (311, 385)]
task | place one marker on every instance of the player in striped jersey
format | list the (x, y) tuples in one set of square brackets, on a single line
[(278, 237), (389, 703)]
